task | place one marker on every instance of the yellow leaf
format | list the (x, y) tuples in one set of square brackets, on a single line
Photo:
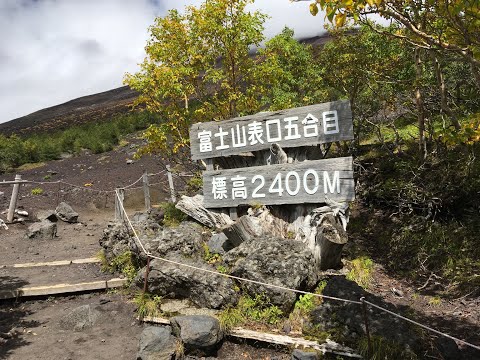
[(88, 185), (340, 19), (313, 9)]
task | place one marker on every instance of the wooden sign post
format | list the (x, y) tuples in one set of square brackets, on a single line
[(267, 159)]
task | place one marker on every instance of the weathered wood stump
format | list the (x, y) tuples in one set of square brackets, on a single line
[(321, 228)]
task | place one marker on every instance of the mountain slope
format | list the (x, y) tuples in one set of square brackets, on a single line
[(86, 109)]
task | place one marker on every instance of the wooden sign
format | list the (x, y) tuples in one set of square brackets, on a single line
[(296, 183), (308, 125)]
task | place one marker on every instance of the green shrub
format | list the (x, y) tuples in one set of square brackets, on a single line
[(361, 271), (383, 349), (172, 216), (147, 304), (37, 191), (257, 310)]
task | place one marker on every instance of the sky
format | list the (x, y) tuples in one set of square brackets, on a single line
[(52, 51)]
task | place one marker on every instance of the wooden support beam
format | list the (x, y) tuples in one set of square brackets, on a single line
[(328, 346), (62, 288), (14, 198), (146, 191), (53, 263), (170, 184)]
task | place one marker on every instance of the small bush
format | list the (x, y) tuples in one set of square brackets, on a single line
[(361, 271), (147, 304), (172, 216), (37, 191), (383, 349), (258, 310), (123, 263)]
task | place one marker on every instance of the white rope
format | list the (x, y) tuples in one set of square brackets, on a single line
[(147, 253), (422, 326), (222, 274)]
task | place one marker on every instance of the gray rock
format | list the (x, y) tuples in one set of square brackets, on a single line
[(199, 333), (116, 239), (2, 195), (157, 343), (66, 213), (49, 215), (219, 244), (42, 230), (185, 240), (346, 319), (202, 288), (448, 348), (276, 261), (304, 355), (80, 318)]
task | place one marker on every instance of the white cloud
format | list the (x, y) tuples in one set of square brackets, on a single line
[(52, 51)]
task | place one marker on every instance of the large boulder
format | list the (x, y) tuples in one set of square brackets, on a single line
[(116, 240), (47, 215), (66, 213), (202, 288), (347, 321), (199, 333), (80, 318), (157, 343), (42, 230), (276, 261), (184, 240)]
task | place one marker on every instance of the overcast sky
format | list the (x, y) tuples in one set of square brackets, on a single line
[(52, 51)]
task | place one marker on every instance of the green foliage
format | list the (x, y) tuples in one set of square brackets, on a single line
[(15, 151), (383, 349), (198, 68), (257, 310), (147, 304), (172, 216), (194, 184), (36, 191), (361, 271), (123, 263), (210, 257)]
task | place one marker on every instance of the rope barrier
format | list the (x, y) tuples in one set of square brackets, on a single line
[(361, 302), (421, 325)]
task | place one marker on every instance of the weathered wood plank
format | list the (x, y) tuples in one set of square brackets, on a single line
[(61, 288), (53, 263), (308, 125), (308, 182), (328, 346)]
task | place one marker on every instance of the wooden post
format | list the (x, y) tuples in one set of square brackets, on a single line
[(170, 184), (119, 197), (13, 200), (146, 191)]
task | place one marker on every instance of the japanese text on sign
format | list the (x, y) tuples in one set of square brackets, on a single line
[(309, 125), (307, 182)]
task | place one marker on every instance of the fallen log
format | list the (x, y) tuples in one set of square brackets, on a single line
[(328, 346), (193, 207)]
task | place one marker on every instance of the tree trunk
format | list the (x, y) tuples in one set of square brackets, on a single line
[(443, 92), (321, 229), (420, 108)]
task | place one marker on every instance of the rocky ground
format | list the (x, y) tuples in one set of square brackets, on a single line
[(51, 327)]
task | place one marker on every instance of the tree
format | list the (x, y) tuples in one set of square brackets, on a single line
[(445, 25), (199, 68), (299, 82)]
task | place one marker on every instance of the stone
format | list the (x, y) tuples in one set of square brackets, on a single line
[(157, 343), (116, 240), (42, 230), (202, 288), (199, 333), (219, 244), (276, 261), (304, 355), (66, 213), (80, 318), (347, 320), (47, 215)]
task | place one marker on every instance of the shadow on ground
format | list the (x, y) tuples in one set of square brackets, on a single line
[(12, 318)]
